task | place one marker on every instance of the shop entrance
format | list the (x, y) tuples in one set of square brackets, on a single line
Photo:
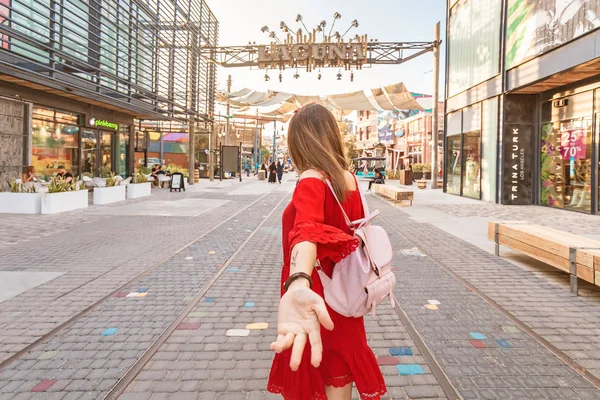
[(104, 152)]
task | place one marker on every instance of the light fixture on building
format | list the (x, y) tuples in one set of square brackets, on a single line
[(267, 77), (339, 76)]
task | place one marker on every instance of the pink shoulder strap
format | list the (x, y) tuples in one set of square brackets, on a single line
[(350, 224)]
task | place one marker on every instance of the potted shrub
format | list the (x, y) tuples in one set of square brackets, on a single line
[(20, 199), (64, 196), (111, 193), (417, 171), (140, 186)]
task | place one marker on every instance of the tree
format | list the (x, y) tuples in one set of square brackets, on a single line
[(349, 140), (266, 153)]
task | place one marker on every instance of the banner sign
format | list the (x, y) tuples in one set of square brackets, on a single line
[(516, 165), (537, 26)]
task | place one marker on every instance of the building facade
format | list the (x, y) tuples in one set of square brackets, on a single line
[(523, 102), (84, 81)]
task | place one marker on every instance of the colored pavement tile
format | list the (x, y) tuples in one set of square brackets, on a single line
[(141, 294), (478, 344), (410, 369), (237, 332), (109, 331), (511, 329), (47, 355), (401, 351), (43, 385), (505, 344), (257, 326), (431, 306), (189, 258), (249, 304), (233, 270), (120, 294), (188, 327), (132, 294), (434, 302), (209, 300), (388, 360), (197, 314), (142, 290), (478, 336)]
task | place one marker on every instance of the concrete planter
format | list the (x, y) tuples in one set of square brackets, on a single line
[(135, 190), (111, 194), (53, 203), (21, 203)]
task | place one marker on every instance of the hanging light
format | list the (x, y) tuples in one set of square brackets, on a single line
[(264, 29), (339, 76), (296, 75), (280, 77), (267, 77), (319, 76), (351, 76)]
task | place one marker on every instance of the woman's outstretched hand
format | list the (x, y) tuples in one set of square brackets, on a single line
[(301, 314)]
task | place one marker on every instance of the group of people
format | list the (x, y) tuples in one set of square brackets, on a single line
[(61, 173), (274, 171), (156, 171)]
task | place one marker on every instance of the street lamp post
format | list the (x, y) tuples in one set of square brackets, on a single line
[(435, 110), (274, 140)]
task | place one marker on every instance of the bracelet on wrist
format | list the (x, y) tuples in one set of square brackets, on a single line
[(295, 277)]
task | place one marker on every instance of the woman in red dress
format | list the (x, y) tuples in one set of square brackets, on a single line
[(336, 353)]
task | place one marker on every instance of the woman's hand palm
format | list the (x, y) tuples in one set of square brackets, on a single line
[(301, 313)]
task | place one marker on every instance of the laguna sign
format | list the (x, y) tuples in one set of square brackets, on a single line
[(310, 53)]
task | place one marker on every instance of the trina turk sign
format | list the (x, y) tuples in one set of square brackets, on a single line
[(516, 166)]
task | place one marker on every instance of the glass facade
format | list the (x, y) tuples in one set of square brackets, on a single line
[(125, 53), (453, 164), (55, 141), (473, 43), (566, 164), (471, 160)]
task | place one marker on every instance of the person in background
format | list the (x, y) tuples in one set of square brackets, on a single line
[(264, 168), (63, 174), (29, 175), (379, 179), (279, 171), (153, 174), (247, 168), (272, 173)]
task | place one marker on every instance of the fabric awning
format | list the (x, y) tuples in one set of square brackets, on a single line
[(351, 101)]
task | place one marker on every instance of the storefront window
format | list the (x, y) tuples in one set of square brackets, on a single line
[(566, 153), (54, 144), (106, 153), (453, 164), (122, 151), (89, 143), (471, 170)]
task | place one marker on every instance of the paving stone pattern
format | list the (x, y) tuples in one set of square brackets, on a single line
[(205, 363), (97, 254), (507, 363), (91, 355)]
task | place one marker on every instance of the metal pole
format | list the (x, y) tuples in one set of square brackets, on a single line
[(162, 151), (228, 110), (240, 161), (211, 166), (191, 139), (220, 162), (255, 157), (435, 110), (274, 140)]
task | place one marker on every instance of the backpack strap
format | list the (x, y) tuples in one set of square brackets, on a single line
[(352, 225)]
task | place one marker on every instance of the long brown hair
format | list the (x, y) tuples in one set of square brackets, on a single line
[(315, 142)]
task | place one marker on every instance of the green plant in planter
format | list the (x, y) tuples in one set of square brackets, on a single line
[(139, 177), (144, 170), (14, 186), (111, 180), (59, 186), (30, 189)]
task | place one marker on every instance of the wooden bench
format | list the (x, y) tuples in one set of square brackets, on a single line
[(422, 184), (394, 193), (578, 256)]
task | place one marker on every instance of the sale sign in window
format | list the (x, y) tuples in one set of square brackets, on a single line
[(572, 144)]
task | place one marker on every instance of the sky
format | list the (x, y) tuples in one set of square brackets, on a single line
[(385, 20)]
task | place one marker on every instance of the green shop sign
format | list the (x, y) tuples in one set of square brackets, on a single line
[(103, 124)]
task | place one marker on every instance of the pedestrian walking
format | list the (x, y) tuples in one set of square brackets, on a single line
[(272, 173), (314, 228), (247, 169), (279, 171)]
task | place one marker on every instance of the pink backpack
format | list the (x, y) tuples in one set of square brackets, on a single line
[(362, 280)]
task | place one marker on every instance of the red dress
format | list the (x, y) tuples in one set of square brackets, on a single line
[(314, 216)]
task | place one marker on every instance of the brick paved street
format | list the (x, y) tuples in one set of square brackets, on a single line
[(175, 297)]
